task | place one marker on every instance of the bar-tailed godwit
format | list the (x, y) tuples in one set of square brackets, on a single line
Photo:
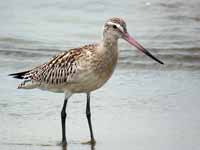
[(81, 70)]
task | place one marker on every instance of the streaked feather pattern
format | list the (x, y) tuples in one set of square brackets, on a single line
[(61, 69), (78, 70)]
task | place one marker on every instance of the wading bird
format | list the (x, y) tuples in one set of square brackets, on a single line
[(81, 70)]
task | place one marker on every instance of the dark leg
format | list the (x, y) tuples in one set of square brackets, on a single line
[(63, 118), (88, 114)]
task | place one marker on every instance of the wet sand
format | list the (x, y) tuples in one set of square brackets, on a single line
[(145, 106), (134, 110)]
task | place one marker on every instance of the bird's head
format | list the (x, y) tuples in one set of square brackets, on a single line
[(115, 28)]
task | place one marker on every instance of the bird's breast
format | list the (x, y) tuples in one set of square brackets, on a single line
[(101, 67), (106, 66)]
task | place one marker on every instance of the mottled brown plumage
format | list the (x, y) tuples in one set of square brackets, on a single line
[(81, 70)]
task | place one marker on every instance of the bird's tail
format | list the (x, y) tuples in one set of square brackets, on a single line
[(27, 83), (19, 75)]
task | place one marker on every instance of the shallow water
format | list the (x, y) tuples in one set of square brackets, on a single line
[(143, 106)]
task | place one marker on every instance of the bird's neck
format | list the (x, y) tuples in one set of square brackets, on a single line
[(110, 43), (109, 50)]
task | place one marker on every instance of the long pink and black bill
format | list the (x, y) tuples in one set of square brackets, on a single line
[(133, 42)]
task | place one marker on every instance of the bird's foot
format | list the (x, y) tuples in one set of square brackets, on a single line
[(91, 142), (63, 143)]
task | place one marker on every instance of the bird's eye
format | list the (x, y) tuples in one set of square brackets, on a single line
[(114, 26)]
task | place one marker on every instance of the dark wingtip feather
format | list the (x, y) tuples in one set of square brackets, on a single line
[(19, 75)]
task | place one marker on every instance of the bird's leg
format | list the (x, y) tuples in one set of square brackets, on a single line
[(63, 118), (88, 114)]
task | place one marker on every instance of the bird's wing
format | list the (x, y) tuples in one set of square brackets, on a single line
[(66, 67)]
